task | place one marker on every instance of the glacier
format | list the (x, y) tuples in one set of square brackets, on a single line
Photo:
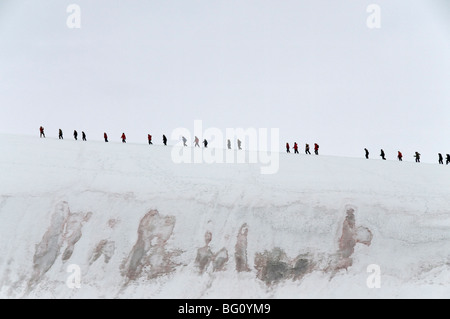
[(135, 224)]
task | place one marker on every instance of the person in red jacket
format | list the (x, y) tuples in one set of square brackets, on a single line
[(295, 148), (41, 130), (400, 156), (124, 138), (105, 136), (287, 148), (149, 139), (316, 148)]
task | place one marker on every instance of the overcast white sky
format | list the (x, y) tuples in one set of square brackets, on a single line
[(311, 68)]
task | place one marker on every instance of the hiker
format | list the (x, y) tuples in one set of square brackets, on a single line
[(382, 154), (149, 139), (400, 156), (124, 138), (105, 136), (295, 147), (75, 135), (184, 140), (316, 148), (447, 159), (205, 142), (196, 140), (229, 144), (41, 131), (60, 136), (417, 156), (239, 144), (441, 159), (287, 148), (164, 140), (307, 149), (83, 136), (367, 153)]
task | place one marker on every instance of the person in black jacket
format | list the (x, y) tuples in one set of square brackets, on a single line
[(417, 156), (447, 159), (205, 142), (441, 159), (367, 153), (164, 140), (60, 136), (83, 136), (75, 135), (382, 154), (307, 149)]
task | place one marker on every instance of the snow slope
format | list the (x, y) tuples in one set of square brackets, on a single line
[(112, 220)]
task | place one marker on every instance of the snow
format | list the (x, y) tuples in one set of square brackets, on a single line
[(138, 225)]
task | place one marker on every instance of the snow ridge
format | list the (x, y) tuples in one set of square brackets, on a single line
[(138, 225)]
